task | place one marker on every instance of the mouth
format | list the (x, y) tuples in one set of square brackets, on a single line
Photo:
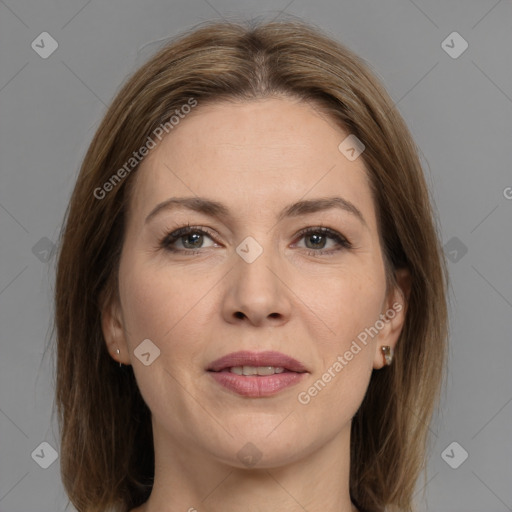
[(256, 374), (255, 370), (256, 363)]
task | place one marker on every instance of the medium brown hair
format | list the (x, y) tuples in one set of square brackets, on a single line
[(107, 453)]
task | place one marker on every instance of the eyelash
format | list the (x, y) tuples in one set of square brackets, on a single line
[(170, 238)]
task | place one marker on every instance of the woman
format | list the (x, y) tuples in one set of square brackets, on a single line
[(250, 295)]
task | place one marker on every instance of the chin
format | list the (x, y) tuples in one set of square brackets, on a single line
[(254, 448)]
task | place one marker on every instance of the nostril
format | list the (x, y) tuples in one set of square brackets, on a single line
[(239, 314)]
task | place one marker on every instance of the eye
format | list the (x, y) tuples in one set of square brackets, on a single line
[(316, 239), (190, 237)]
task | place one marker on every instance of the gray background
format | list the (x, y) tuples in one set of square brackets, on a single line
[(458, 109)]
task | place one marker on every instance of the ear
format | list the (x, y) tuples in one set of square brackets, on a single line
[(112, 325), (393, 315)]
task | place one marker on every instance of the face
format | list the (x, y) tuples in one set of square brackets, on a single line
[(258, 269)]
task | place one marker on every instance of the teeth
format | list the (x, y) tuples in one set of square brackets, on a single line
[(256, 370)]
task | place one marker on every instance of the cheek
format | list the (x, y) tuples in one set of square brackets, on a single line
[(161, 306), (350, 303), (333, 398), (164, 309), (146, 307)]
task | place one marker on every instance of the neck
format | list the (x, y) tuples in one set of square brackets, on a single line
[(187, 480)]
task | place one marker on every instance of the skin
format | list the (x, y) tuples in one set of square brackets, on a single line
[(255, 157)]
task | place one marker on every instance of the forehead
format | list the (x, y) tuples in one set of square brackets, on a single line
[(258, 153)]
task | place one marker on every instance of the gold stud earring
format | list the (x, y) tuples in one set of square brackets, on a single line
[(387, 352)]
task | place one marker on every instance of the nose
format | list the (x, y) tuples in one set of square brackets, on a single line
[(257, 293)]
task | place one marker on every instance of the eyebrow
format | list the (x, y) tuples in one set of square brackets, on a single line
[(219, 210)]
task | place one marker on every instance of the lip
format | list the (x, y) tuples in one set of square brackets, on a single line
[(257, 386), (247, 358)]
